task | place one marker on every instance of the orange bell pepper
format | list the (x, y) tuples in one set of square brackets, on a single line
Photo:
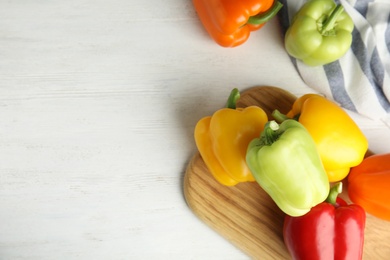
[(368, 185), (229, 22), (223, 138)]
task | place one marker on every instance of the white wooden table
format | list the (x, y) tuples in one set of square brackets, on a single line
[(98, 102)]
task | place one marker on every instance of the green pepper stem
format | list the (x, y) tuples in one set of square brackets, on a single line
[(270, 134), (266, 16), (279, 117), (329, 23), (233, 97), (334, 192)]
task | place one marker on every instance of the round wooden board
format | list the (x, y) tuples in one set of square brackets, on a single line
[(245, 214)]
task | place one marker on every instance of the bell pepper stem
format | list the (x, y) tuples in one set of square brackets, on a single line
[(278, 116), (329, 23), (266, 16), (233, 97), (334, 192), (270, 134)]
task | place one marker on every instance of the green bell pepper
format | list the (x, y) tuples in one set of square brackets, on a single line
[(286, 164), (320, 33)]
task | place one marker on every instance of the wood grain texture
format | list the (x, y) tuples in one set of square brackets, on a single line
[(245, 214)]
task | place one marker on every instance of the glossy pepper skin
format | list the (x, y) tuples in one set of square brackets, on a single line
[(340, 142), (286, 164), (369, 185), (331, 230), (222, 140), (320, 33), (230, 23)]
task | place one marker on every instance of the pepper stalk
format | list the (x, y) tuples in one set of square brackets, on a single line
[(327, 23), (232, 99), (279, 117), (334, 192), (265, 17), (270, 134)]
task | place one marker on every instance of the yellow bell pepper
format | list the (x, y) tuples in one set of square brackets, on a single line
[(223, 138), (340, 142)]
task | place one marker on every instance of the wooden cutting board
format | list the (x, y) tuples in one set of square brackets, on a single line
[(245, 214)]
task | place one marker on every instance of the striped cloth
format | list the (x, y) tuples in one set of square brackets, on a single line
[(360, 80)]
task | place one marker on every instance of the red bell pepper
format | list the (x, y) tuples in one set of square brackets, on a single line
[(330, 230)]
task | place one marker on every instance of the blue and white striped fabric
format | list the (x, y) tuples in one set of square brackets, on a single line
[(360, 80)]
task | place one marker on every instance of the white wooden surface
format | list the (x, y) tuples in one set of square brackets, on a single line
[(98, 101)]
